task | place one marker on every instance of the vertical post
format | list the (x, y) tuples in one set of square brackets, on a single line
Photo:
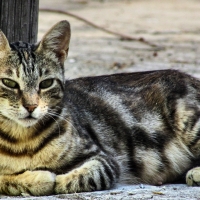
[(19, 19)]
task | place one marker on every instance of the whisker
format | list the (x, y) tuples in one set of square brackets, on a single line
[(55, 121), (53, 113)]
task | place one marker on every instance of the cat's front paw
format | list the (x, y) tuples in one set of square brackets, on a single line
[(193, 177), (40, 182), (62, 183), (34, 183), (69, 183)]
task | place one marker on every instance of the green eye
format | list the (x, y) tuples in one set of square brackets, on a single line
[(46, 83), (9, 83)]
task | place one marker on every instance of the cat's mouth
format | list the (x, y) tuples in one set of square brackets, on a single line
[(28, 121), (30, 117)]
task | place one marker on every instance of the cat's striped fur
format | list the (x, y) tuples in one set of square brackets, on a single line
[(86, 134)]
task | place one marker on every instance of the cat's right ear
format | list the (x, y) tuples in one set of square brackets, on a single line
[(4, 45), (56, 40)]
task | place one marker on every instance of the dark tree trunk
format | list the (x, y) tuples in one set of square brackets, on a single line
[(19, 19)]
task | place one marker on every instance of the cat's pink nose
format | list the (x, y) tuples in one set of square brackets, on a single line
[(30, 108)]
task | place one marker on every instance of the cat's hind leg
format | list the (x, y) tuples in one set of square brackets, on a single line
[(193, 177), (34, 183)]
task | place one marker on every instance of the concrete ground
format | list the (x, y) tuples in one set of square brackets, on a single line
[(172, 24)]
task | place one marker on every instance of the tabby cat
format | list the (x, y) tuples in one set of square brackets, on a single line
[(86, 134)]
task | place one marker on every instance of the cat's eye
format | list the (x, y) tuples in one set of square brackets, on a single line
[(46, 83), (10, 83)]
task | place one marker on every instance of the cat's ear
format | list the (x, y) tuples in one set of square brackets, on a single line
[(57, 40), (4, 45)]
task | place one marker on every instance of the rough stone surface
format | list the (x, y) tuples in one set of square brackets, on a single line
[(173, 24)]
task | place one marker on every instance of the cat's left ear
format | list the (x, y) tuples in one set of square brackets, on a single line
[(4, 45), (57, 40)]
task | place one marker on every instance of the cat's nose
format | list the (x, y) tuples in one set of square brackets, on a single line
[(30, 107)]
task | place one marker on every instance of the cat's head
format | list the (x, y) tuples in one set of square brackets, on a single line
[(32, 76)]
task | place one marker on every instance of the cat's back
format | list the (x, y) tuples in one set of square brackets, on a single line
[(166, 82)]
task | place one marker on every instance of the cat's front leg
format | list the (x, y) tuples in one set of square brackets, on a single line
[(35, 183), (193, 177), (95, 174)]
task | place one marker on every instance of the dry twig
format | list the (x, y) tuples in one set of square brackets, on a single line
[(121, 35)]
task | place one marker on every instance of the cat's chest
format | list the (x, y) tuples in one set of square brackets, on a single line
[(53, 155), (46, 159)]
